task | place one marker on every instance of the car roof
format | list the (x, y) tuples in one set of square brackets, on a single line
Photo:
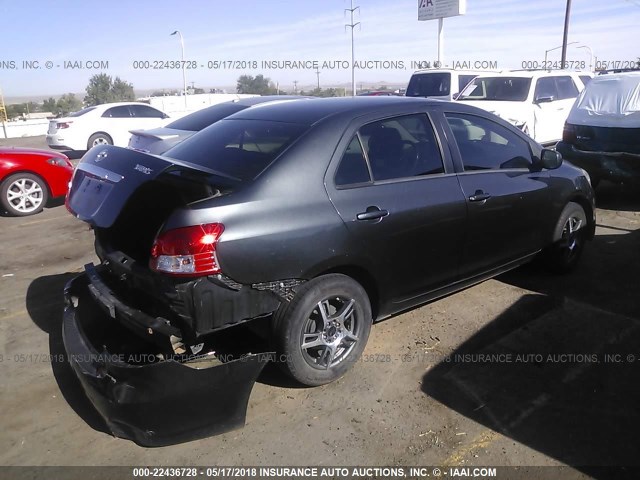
[(321, 108), (104, 106), (251, 101), (532, 73)]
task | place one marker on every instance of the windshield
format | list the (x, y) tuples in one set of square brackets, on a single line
[(502, 89), (201, 119), (430, 84), (238, 149), (81, 112)]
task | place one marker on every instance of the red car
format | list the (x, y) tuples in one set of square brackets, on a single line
[(29, 177)]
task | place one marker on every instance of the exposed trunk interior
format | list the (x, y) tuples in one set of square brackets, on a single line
[(149, 206)]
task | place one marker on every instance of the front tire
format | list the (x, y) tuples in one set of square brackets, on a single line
[(23, 194), (570, 237), (323, 331)]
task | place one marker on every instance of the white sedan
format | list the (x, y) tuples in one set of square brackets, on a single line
[(106, 124)]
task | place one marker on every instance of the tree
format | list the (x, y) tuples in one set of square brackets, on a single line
[(319, 92), (49, 105), (67, 103), (197, 91), (122, 91), (258, 85), (103, 89)]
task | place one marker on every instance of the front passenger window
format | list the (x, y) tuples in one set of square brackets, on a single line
[(486, 145)]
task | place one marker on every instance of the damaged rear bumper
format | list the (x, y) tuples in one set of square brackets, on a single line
[(159, 400)]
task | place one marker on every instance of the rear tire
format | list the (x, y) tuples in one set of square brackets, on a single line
[(323, 331), (570, 235), (23, 194), (99, 139)]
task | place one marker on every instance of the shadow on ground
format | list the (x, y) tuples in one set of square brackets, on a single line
[(45, 304), (606, 278), (559, 371)]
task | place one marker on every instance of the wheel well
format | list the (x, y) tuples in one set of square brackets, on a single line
[(99, 133), (44, 181), (364, 278), (588, 210)]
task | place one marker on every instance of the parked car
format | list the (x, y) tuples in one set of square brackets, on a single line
[(107, 124), (30, 177), (311, 219), (602, 132), (441, 83), (536, 101), (159, 140)]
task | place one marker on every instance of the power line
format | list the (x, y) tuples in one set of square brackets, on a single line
[(352, 25)]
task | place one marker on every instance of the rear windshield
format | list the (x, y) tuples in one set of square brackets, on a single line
[(81, 112), (201, 119), (433, 84), (239, 149), (506, 89)]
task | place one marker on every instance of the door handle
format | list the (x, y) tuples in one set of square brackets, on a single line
[(372, 213), (479, 196)]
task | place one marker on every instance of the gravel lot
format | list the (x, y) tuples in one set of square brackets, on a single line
[(428, 391)]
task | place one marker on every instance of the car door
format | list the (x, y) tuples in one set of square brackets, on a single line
[(117, 121), (402, 206), (506, 196), (548, 109), (567, 93)]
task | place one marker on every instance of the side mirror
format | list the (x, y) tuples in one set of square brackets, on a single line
[(550, 159), (164, 115), (455, 96), (544, 99)]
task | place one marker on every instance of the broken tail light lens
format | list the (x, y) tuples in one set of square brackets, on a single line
[(189, 251)]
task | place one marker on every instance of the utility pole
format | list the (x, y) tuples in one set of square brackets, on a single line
[(566, 34), (318, 75), (295, 86), (352, 25)]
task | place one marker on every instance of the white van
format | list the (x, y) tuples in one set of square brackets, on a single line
[(440, 83)]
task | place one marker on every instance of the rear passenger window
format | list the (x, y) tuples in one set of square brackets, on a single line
[(401, 147), (566, 88), (486, 145), (353, 166)]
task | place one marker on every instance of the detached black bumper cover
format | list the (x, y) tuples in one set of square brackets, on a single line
[(161, 403)]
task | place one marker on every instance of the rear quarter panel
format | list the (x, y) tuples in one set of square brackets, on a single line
[(56, 178)]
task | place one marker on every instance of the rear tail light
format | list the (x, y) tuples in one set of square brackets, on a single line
[(187, 251), (62, 125), (569, 133)]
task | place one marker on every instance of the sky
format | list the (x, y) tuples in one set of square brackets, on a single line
[(121, 35)]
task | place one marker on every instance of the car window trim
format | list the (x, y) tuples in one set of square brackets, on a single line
[(433, 112), (399, 179)]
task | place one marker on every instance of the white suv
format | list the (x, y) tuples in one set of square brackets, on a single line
[(440, 83), (537, 102)]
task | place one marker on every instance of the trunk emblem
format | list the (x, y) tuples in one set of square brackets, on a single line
[(101, 156), (143, 169)]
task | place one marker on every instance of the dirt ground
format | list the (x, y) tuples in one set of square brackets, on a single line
[(526, 370)]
